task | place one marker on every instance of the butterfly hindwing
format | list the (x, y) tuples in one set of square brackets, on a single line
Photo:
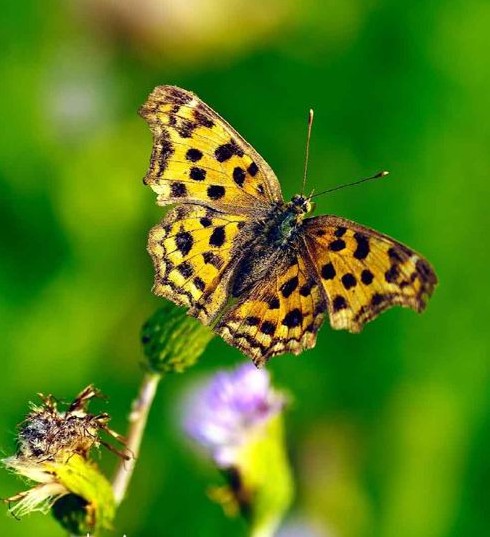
[(197, 157), (280, 313), (191, 250), (364, 272)]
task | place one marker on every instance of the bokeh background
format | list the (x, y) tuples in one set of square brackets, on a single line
[(389, 430)]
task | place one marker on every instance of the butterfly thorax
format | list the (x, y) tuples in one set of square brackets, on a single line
[(288, 219), (273, 242), (282, 223)]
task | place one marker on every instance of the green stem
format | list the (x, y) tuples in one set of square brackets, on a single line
[(137, 423)]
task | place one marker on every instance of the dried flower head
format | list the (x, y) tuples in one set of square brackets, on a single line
[(50, 434), (53, 446)]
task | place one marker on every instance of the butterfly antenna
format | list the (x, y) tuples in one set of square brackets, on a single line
[(307, 155), (379, 175)]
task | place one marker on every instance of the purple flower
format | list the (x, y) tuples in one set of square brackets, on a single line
[(229, 409), (303, 527)]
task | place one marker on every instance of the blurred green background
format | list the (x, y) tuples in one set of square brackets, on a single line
[(389, 429)]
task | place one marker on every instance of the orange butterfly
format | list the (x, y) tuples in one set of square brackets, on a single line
[(249, 263)]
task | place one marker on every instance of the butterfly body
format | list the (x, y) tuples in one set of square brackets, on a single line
[(273, 239), (240, 258)]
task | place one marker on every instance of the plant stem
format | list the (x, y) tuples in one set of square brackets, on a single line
[(137, 422)]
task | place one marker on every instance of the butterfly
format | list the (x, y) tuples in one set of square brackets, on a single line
[(248, 263)]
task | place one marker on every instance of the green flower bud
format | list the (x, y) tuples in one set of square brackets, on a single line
[(173, 341)]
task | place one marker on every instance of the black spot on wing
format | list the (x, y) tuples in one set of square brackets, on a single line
[(328, 271), (268, 328), (337, 245), (306, 288), (185, 269), (273, 303), (202, 119), (213, 259), (252, 321), (223, 152), (239, 176), (193, 155), (199, 283), (288, 287), (349, 280), (425, 271), (339, 303), (177, 96), (366, 277), (293, 318), (253, 169), (184, 242), (197, 174), (185, 128), (362, 249), (216, 192), (392, 274), (395, 254), (178, 190), (226, 151), (218, 237), (340, 231)]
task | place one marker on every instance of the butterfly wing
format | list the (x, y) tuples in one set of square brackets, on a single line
[(199, 158), (191, 251), (278, 314), (364, 272)]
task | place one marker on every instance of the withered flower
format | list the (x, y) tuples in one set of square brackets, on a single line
[(53, 448)]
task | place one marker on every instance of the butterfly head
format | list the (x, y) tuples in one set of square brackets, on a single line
[(301, 205)]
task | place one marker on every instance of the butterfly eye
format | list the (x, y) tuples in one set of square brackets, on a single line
[(307, 206), (303, 205), (300, 204)]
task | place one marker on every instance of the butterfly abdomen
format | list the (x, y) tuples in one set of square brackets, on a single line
[(255, 266)]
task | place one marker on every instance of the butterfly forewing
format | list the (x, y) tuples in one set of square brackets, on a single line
[(364, 272), (197, 157)]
